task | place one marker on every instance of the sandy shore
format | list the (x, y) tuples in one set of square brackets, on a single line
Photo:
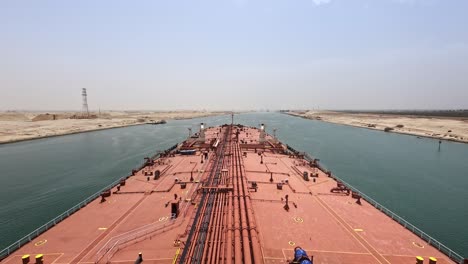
[(19, 126), (446, 128)]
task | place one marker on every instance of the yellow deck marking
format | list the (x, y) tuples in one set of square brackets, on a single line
[(330, 251), (51, 254), (416, 244), (127, 260), (358, 230), (102, 228), (45, 254), (412, 256), (330, 210), (174, 260), (40, 243), (298, 219), (61, 254)]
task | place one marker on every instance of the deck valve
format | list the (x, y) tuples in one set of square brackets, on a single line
[(139, 259)]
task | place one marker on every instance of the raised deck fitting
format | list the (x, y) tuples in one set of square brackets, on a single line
[(231, 194), (262, 134), (201, 135)]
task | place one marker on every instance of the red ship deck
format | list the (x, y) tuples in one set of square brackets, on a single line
[(235, 223)]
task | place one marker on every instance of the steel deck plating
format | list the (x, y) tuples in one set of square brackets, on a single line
[(239, 197)]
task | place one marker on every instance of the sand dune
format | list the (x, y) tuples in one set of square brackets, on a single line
[(18, 126), (446, 128)]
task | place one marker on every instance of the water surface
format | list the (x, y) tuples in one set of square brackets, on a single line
[(42, 178)]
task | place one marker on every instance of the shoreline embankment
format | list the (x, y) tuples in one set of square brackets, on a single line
[(15, 131), (418, 132), (68, 133)]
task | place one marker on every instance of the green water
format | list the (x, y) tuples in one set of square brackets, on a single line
[(42, 178)]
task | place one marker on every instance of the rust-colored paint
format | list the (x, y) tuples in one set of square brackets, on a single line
[(245, 225)]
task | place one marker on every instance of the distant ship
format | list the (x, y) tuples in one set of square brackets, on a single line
[(230, 194), (157, 122)]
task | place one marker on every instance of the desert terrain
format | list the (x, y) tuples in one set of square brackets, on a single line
[(24, 125), (445, 128)]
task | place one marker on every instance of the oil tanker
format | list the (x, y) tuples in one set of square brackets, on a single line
[(229, 194)]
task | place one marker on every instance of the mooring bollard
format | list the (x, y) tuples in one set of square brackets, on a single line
[(25, 259), (39, 259), (419, 260)]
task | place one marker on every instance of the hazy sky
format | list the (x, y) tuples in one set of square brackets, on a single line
[(234, 54)]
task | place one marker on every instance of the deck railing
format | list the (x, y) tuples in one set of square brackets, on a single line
[(29, 237), (115, 243), (26, 239), (430, 240), (424, 236)]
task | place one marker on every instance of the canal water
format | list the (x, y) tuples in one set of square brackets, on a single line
[(42, 178)]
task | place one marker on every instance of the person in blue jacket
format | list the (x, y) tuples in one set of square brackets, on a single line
[(300, 256)]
